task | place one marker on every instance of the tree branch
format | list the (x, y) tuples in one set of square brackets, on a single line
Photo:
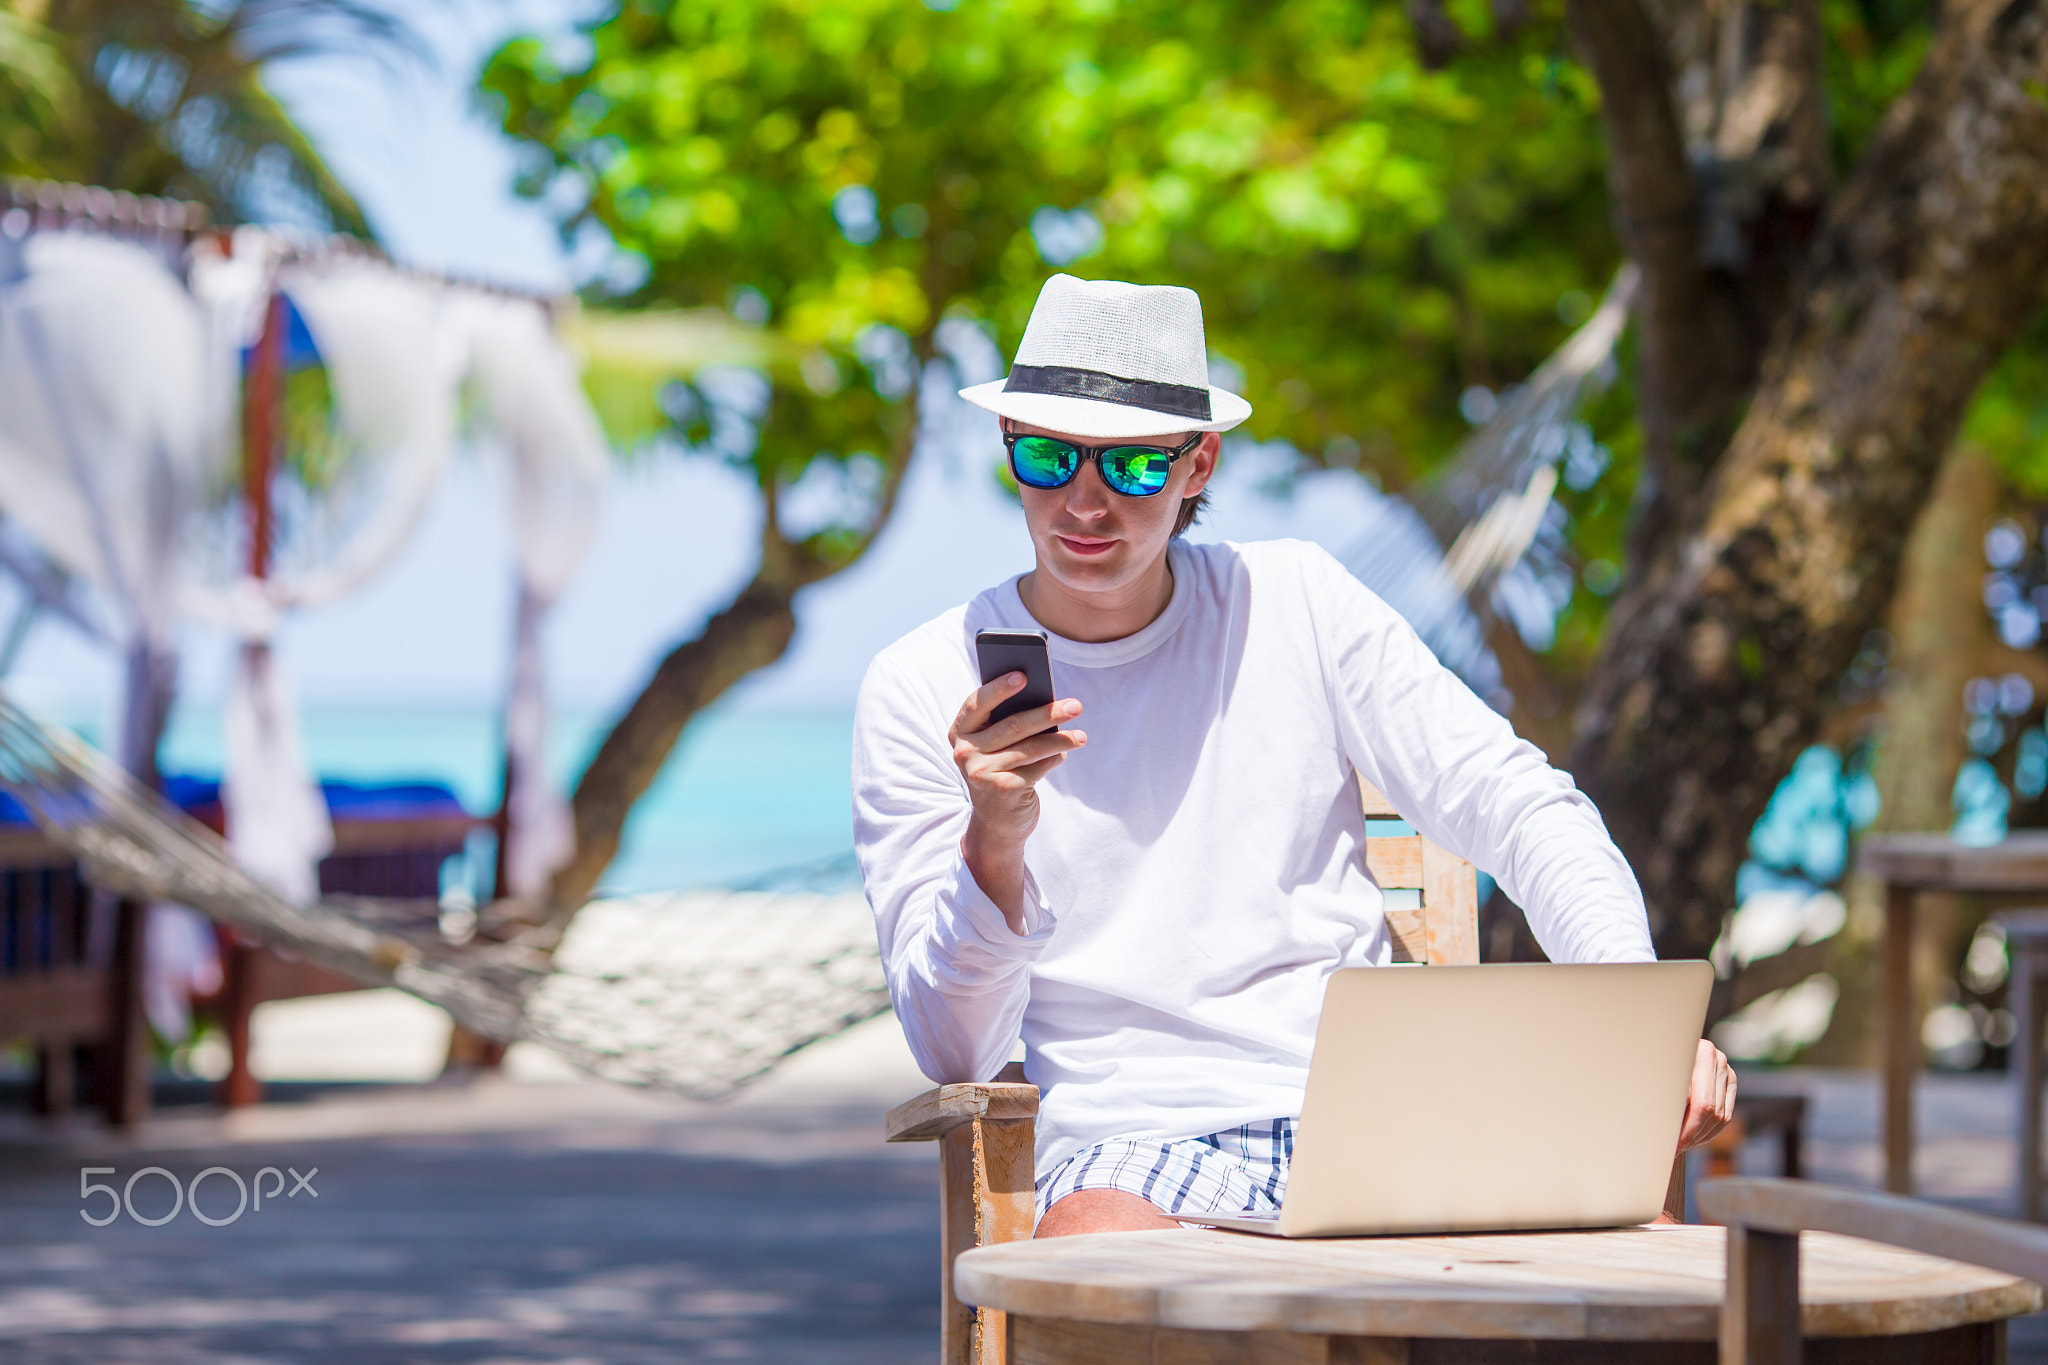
[(1757, 979), (1438, 39), (1694, 366), (752, 632)]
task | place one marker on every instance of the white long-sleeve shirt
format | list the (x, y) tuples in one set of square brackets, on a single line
[(1197, 871)]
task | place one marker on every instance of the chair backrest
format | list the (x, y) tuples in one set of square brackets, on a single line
[(1433, 905), (1760, 1312)]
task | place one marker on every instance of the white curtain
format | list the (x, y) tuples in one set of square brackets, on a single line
[(527, 388), (118, 405), (109, 419), (110, 425), (394, 360)]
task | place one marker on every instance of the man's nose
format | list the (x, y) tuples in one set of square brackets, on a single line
[(1088, 495)]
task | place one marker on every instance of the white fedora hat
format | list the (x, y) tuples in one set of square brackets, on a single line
[(1112, 360)]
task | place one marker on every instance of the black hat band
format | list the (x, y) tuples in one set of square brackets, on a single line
[(1061, 381)]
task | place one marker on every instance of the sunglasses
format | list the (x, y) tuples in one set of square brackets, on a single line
[(1134, 471)]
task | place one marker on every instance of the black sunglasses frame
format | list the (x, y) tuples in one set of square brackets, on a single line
[(1095, 453)]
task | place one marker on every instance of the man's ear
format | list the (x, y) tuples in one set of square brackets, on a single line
[(1202, 463)]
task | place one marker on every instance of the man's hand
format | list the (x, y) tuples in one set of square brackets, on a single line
[(1002, 764), (1710, 1104)]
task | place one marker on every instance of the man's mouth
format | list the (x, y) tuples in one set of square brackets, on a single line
[(1086, 546)]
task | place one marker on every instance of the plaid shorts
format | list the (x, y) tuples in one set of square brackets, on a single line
[(1239, 1170)]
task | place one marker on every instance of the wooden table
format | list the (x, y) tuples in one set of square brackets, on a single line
[(1650, 1294), (1908, 864)]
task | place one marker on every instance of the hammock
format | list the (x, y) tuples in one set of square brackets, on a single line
[(695, 992), (1436, 551)]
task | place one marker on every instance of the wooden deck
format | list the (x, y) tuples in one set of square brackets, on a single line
[(504, 1222)]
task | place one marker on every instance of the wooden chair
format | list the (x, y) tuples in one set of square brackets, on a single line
[(985, 1131), (1760, 1313), (1756, 1116)]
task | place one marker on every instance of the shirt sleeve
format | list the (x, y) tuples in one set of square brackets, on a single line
[(1467, 782), (959, 975)]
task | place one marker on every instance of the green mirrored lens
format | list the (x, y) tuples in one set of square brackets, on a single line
[(1135, 470), (1043, 462)]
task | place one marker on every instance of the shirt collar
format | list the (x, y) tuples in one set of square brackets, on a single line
[(1110, 653)]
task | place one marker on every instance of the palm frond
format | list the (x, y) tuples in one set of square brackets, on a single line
[(279, 30), (31, 64), (175, 102)]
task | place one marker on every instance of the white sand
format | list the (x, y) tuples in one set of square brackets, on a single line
[(387, 1035)]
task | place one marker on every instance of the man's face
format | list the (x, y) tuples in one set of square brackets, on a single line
[(1094, 539)]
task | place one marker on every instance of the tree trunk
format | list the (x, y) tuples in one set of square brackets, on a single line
[(1698, 343), (1939, 632), (751, 633), (1721, 659)]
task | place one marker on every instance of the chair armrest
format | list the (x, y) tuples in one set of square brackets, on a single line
[(1794, 1206), (937, 1112)]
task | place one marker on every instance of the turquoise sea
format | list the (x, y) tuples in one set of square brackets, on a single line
[(747, 794)]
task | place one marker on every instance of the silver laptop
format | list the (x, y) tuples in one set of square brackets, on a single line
[(1468, 1099)]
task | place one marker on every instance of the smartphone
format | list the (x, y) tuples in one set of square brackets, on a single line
[(1016, 651)]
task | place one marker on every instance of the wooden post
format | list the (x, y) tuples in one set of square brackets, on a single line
[(262, 397), (56, 1084), (1760, 1321), (1901, 1040), (2026, 1005), (986, 1168), (1450, 908), (123, 1072), (956, 1234), (239, 996)]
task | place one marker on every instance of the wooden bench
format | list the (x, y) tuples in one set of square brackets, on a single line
[(389, 856), (985, 1130), (57, 984)]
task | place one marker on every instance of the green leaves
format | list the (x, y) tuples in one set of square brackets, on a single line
[(38, 98), (1369, 238)]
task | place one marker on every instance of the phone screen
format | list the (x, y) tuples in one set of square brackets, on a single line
[(1016, 651)]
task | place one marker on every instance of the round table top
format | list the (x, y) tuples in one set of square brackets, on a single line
[(1660, 1283)]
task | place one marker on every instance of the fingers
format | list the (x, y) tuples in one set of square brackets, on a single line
[(1006, 733), (1032, 772), (974, 712), (1710, 1101), (972, 722), (1022, 753), (1689, 1135), (1725, 1111)]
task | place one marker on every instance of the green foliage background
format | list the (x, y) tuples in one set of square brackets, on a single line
[(1369, 238)]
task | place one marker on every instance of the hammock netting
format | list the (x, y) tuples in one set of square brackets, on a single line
[(695, 992)]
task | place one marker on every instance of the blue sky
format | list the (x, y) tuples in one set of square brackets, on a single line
[(675, 541)]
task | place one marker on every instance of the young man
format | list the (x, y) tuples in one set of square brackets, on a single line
[(1153, 904)]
